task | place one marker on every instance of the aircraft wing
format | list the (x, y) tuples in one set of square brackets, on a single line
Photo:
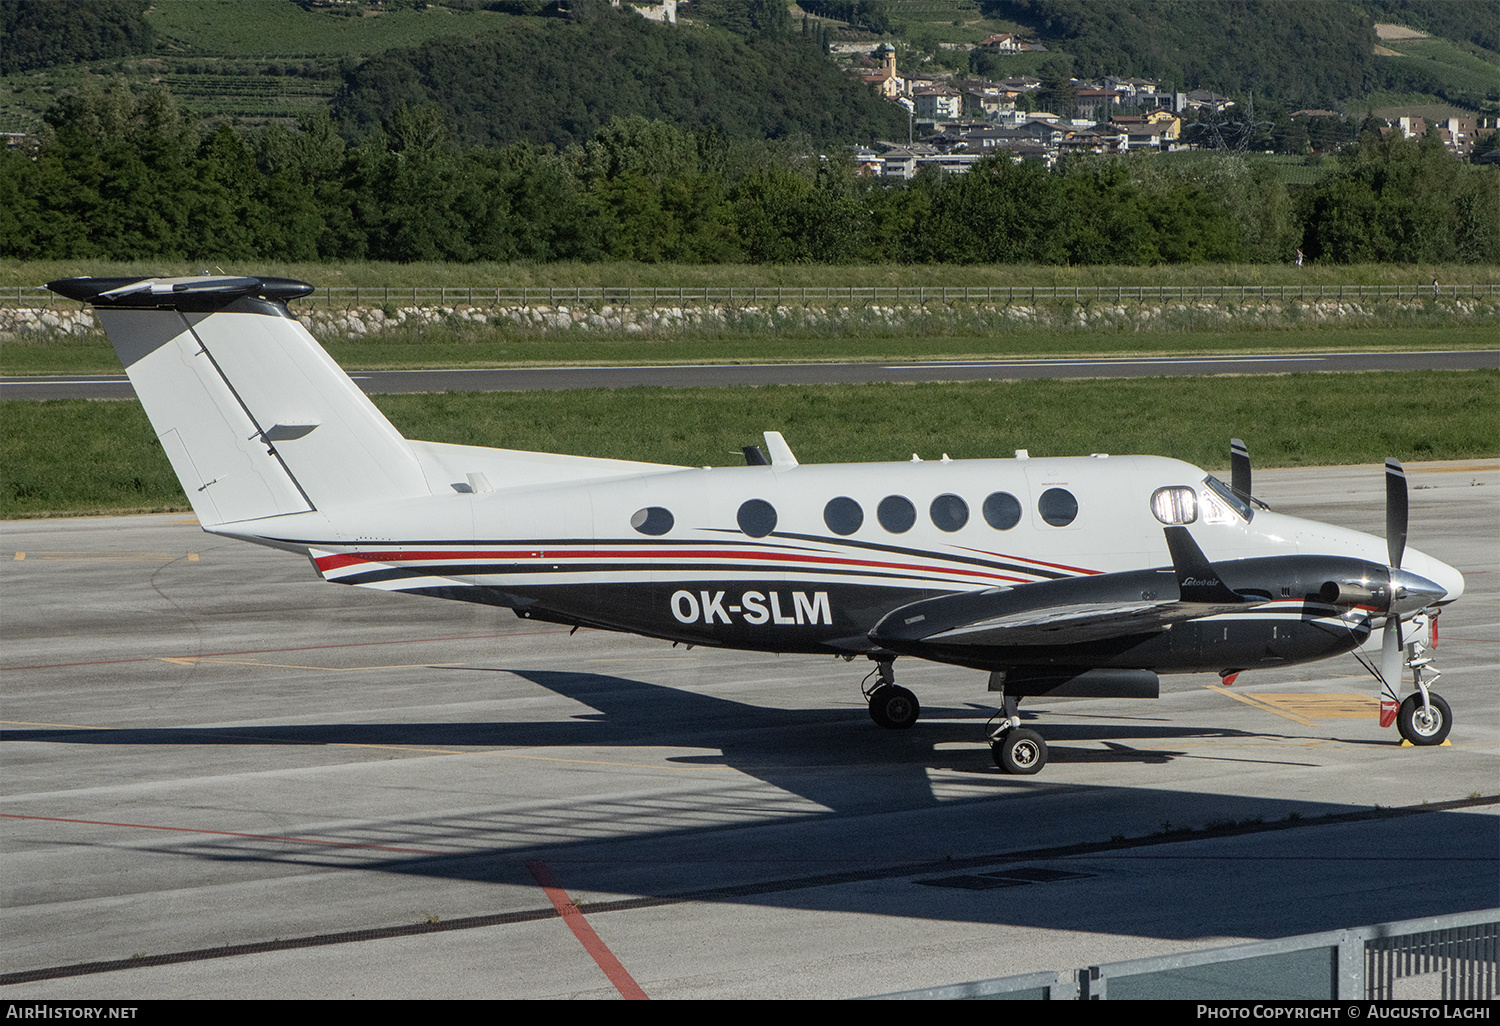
[(1070, 611), (1072, 623)]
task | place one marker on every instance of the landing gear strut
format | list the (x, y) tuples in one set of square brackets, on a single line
[(1016, 749), (1424, 718), (891, 706)]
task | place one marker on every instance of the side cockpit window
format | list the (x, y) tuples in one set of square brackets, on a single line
[(1175, 504), (1221, 505)]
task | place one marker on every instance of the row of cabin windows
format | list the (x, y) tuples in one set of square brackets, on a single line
[(896, 513)]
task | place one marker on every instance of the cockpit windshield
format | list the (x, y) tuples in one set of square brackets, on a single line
[(1223, 504)]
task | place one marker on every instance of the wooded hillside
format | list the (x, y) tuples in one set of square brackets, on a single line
[(557, 80)]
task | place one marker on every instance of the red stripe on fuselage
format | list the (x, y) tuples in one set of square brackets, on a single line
[(334, 562)]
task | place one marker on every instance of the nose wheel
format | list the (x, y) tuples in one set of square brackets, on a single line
[(1424, 723)]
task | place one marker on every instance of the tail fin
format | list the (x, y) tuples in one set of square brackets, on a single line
[(256, 418)]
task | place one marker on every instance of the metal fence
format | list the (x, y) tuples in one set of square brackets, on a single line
[(757, 296), (1454, 957)]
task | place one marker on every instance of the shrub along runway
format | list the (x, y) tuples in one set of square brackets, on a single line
[(224, 777), (526, 379)]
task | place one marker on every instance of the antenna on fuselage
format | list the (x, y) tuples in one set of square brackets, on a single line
[(781, 453)]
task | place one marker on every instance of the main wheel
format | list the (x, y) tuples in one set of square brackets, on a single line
[(1421, 727), (894, 707), (1020, 751)]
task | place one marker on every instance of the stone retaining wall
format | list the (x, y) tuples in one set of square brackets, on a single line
[(364, 321)]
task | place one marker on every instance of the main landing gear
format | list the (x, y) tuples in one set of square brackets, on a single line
[(1016, 749), (891, 705)]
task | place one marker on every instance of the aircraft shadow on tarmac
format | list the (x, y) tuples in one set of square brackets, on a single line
[(849, 769), (793, 749)]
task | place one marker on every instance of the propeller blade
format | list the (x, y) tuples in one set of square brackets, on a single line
[(1239, 468), (1390, 670), (1395, 511)]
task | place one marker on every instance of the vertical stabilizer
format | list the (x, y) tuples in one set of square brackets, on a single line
[(256, 418)]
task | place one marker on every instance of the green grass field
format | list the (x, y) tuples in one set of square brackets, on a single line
[(71, 457)]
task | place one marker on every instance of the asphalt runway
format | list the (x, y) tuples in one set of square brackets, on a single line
[(526, 379), (223, 777)]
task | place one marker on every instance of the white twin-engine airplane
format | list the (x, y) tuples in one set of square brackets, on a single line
[(1060, 577)]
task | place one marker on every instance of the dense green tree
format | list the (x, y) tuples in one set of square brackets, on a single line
[(1393, 199), (45, 33), (125, 175), (1001, 212)]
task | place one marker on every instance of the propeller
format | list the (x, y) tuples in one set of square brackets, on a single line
[(1396, 509), (1239, 472), (1239, 468)]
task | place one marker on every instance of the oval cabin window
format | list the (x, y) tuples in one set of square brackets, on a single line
[(1002, 510), (756, 517), (896, 514), (843, 515), (1058, 507), (653, 520), (949, 512)]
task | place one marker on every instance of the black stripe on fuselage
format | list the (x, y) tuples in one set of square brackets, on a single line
[(1033, 571), (520, 569)]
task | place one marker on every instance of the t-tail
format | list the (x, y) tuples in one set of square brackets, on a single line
[(259, 422)]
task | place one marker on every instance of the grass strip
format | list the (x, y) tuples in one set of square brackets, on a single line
[(476, 346), (74, 457)]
